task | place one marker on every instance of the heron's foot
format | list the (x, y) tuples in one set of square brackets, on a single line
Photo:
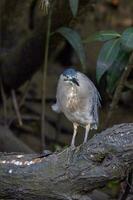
[(85, 141), (72, 147), (70, 152)]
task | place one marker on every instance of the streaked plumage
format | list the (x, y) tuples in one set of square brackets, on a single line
[(78, 99)]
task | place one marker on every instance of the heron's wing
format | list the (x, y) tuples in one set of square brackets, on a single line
[(94, 97), (91, 88), (56, 108)]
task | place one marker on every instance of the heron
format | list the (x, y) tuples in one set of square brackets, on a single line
[(79, 100)]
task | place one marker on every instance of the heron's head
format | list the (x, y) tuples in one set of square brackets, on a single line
[(70, 75)]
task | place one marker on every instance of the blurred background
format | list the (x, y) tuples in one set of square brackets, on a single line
[(24, 74)]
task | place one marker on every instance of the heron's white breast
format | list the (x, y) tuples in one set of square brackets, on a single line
[(72, 99)]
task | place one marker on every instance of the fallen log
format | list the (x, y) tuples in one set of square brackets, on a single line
[(72, 173)]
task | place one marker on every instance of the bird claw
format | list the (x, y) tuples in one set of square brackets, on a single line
[(84, 142), (70, 152), (72, 147)]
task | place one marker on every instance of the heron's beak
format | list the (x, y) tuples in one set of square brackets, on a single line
[(74, 80)]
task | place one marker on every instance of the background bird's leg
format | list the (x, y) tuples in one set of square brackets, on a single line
[(87, 128), (75, 126)]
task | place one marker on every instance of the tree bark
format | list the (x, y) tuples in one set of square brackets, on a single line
[(72, 173)]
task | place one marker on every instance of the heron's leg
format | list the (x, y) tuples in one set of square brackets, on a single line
[(87, 128), (75, 126)]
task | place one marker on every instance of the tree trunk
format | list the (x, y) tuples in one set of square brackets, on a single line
[(72, 173)]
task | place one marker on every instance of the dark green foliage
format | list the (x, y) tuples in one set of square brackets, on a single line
[(107, 56), (74, 6), (74, 39), (114, 55), (127, 39), (103, 36), (116, 70)]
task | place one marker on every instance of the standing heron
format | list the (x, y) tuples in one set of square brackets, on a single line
[(78, 99)]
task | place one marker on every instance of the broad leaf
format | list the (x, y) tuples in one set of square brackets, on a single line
[(116, 70), (103, 36), (127, 39), (74, 39), (74, 6), (107, 56)]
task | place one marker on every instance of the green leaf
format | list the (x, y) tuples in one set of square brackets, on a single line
[(107, 56), (74, 39), (116, 70), (127, 39), (74, 6), (103, 36)]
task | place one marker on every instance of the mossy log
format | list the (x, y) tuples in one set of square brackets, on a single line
[(72, 173)]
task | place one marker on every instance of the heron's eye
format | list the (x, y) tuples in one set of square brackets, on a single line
[(67, 77)]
